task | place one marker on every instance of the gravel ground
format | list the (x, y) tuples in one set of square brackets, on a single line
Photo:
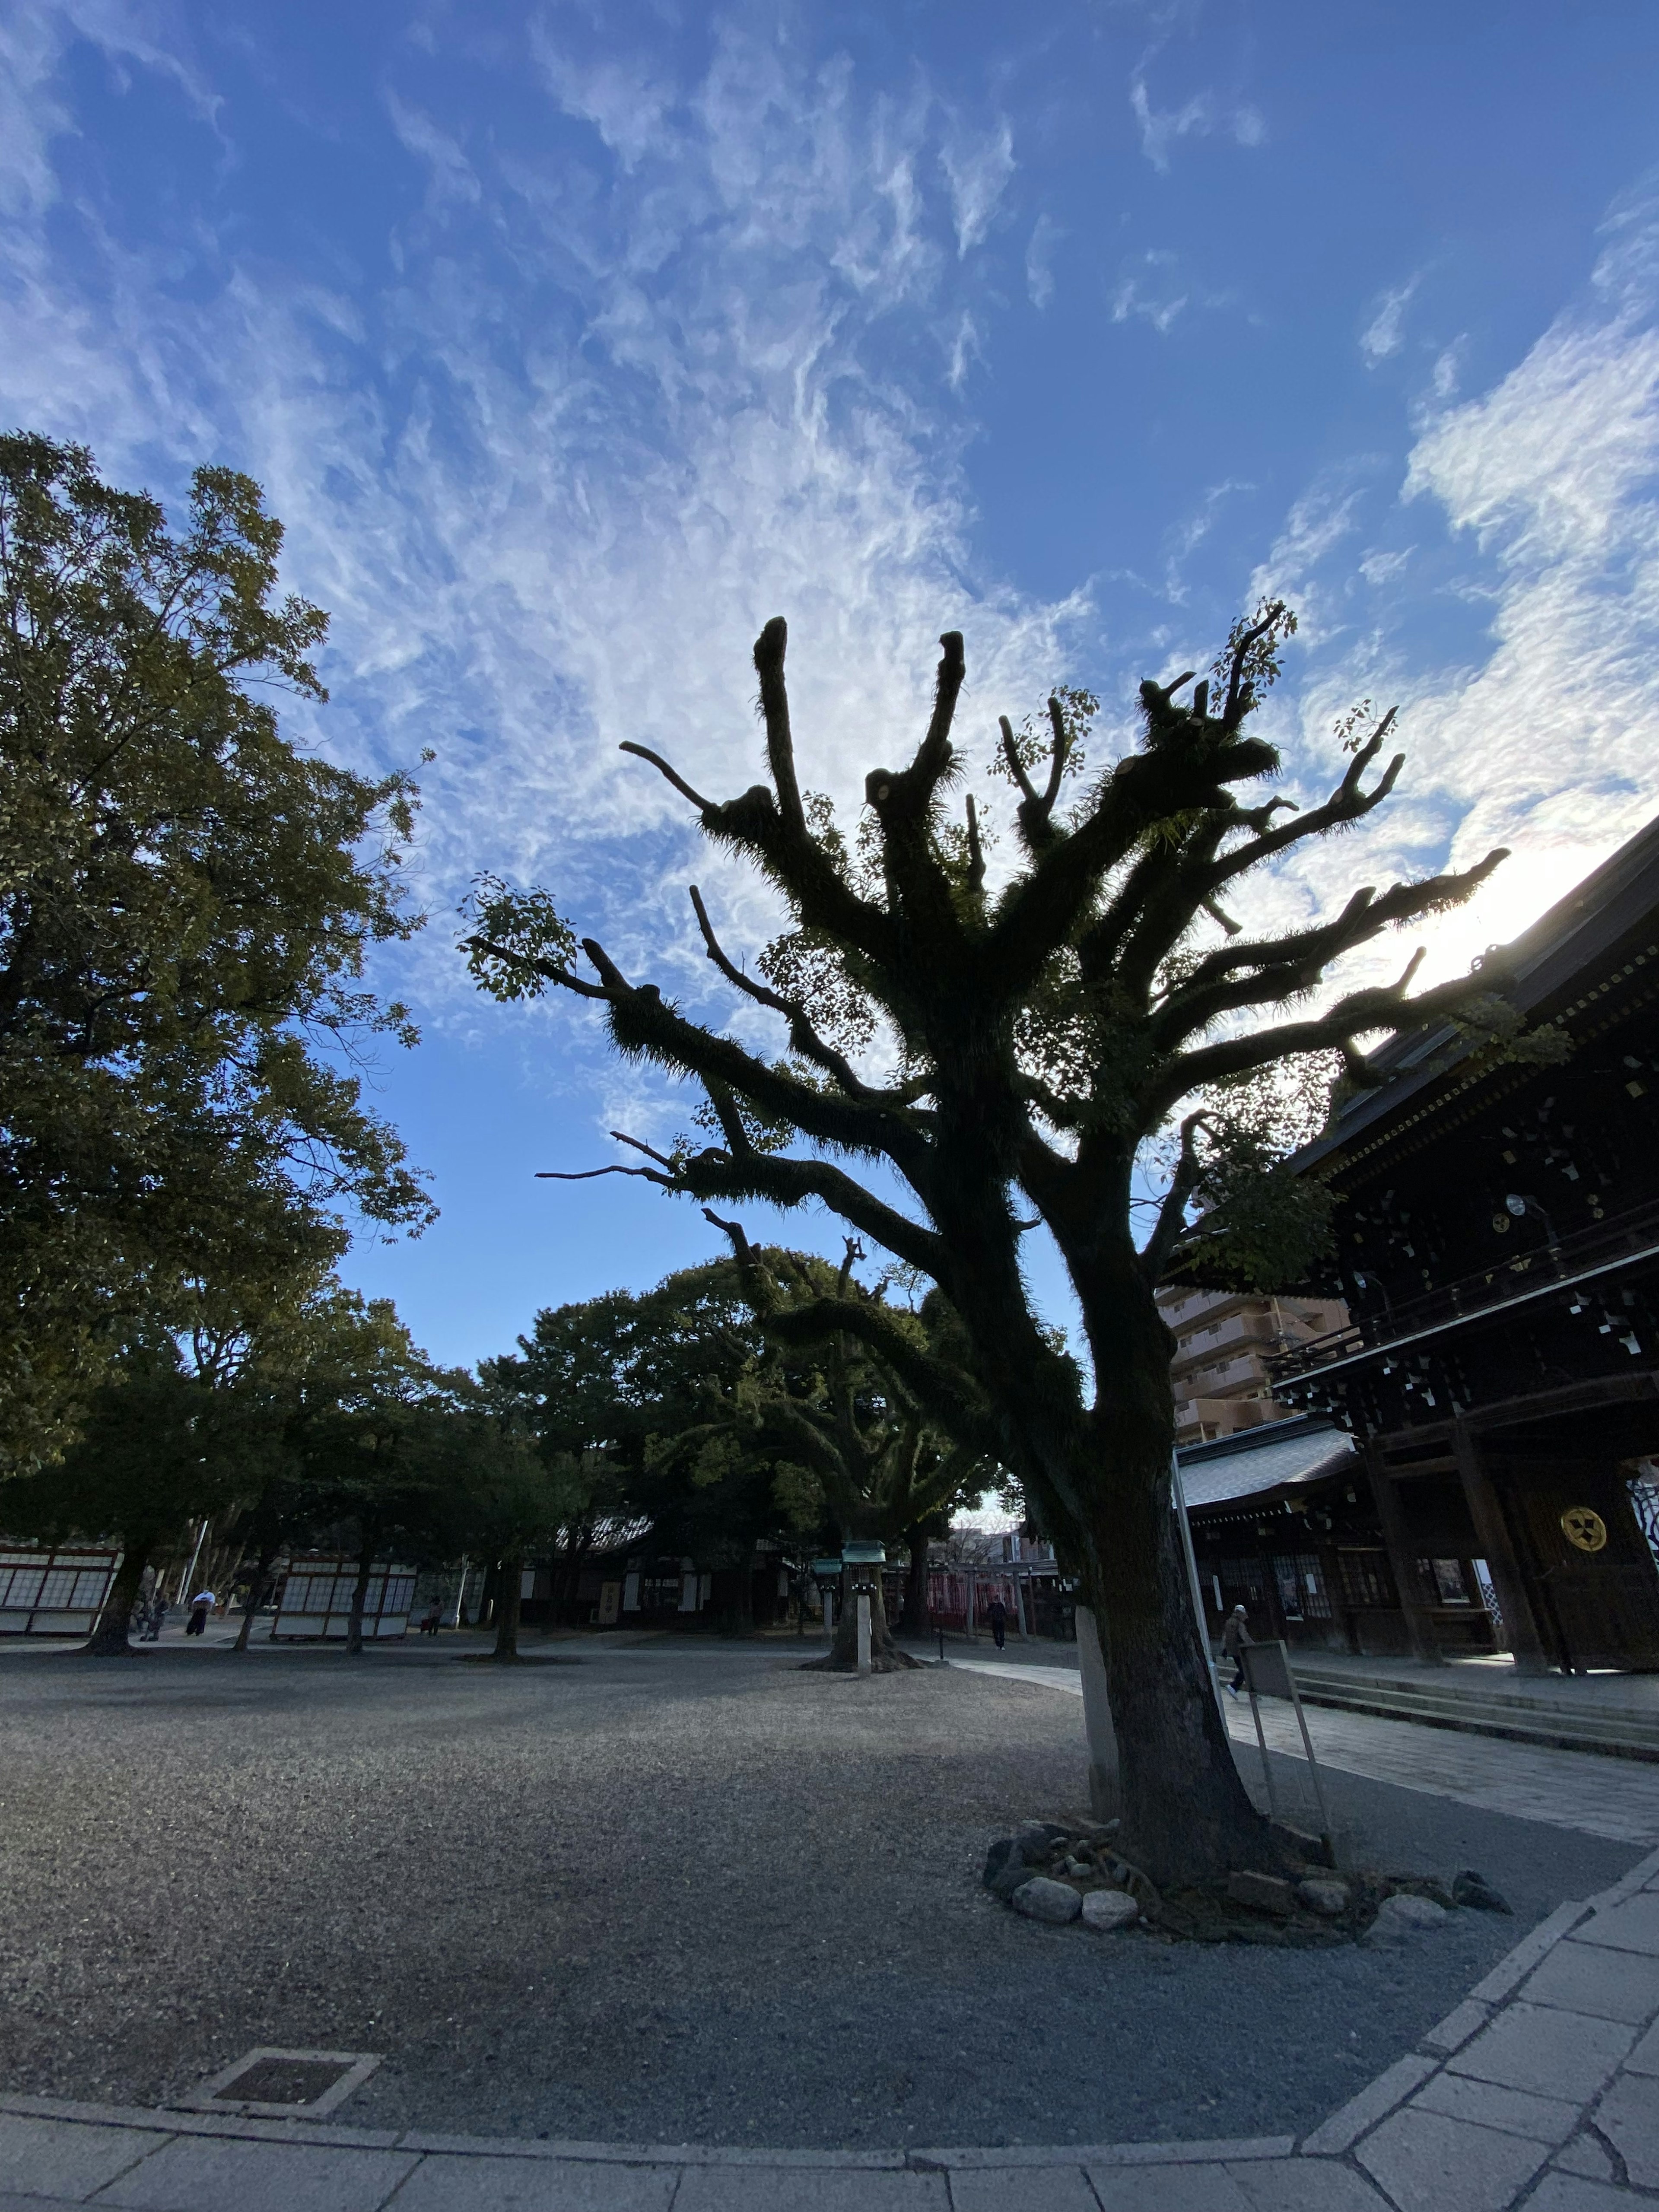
[(683, 1893)]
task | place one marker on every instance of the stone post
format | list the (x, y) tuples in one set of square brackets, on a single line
[(1105, 1784)]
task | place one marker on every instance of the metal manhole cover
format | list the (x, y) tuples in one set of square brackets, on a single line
[(273, 2084)]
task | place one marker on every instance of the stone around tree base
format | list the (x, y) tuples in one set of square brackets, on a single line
[(1325, 1897), (1262, 1893), (1109, 1910), (1402, 1917), (1043, 1899)]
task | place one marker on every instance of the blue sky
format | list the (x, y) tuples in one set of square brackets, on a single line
[(571, 343)]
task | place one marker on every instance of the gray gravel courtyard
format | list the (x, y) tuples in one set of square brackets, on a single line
[(683, 1892)]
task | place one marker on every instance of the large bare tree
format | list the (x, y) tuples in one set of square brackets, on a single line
[(1047, 1032)]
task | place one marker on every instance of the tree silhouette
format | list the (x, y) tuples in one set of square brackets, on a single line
[(1046, 1034)]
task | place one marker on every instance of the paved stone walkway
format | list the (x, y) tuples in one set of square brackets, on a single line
[(1614, 1797), (1540, 2090)]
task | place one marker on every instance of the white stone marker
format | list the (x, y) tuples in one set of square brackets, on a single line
[(864, 1633)]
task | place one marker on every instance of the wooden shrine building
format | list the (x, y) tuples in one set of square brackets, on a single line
[(1497, 1243)]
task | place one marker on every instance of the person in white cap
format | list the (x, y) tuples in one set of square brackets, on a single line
[(1235, 1636)]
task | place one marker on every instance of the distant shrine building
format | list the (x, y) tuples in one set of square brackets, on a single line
[(1472, 1455)]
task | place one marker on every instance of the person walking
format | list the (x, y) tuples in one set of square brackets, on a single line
[(997, 1614), (200, 1607), (1235, 1638), (155, 1620)]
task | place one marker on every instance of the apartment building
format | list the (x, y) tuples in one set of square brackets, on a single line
[(1222, 1341)]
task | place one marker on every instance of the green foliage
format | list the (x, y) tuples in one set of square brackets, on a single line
[(151, 1455), (186, 903), (1034, 736), (527, 925)]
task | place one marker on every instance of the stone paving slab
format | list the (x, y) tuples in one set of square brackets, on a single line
[(192, 2171), (1024, 2188), (1588, 1978), (40, 2157), (1423, 2160), (530, 2185), (1540, 2090)]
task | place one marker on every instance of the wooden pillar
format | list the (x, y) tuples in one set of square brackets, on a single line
[(1497, 1548), (1419, 1624)]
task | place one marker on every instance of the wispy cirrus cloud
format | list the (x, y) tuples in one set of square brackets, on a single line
[(599, 415), (1156, 288), (978, 169), (1384, 334), (1206, 114), (1543, 736)]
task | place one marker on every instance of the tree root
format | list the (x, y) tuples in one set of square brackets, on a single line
[(892, 1662)]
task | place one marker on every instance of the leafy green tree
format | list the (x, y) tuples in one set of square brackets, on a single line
[(187, 902), (885, 1469), (151, 1457), (1036, 1039), (509, 1503), (379, 1437), (609, 1384)]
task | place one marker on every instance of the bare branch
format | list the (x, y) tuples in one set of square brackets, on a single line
[(644, 752), (1057, 759), (1284, 967), (802, 1035), (588, 1175), (1347, 804), (1172, 1213), (769, 647), (1010, 753), (1379, 1008), (934, 751), (976, 850)]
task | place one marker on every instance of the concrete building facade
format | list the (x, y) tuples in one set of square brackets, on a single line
[(1223, 1343)]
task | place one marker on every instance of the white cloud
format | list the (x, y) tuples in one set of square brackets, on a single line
[(978, 170), (608, 415), (1204, 115), (1545, 738), (452, 175), (1039, 261), (1385, 334), (1154, 291)]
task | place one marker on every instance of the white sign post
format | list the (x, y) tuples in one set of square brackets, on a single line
[(864, 1631)]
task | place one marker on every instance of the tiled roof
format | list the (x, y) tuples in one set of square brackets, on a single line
[(1262, 1461)]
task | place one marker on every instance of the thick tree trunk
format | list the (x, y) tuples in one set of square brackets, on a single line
[(1186, 1813), (109, 1637), (258, 1588), (915, 1584), (1101, 1478), (359, 1600), (886, 1658), (508, 1600)]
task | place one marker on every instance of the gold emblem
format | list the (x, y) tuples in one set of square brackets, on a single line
[(1584, 1530)]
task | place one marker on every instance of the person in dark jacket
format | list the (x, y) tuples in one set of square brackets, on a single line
[(1236, 1637), (997, 1614)]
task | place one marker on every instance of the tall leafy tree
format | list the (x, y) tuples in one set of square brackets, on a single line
[(1041, 1034), (151, 1456), (827, 1400), (186, 903)]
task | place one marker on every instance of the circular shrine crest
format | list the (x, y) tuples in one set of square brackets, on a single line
[(1584, 1529)]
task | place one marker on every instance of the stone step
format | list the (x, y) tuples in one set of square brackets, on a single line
[(1609, 1730)]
